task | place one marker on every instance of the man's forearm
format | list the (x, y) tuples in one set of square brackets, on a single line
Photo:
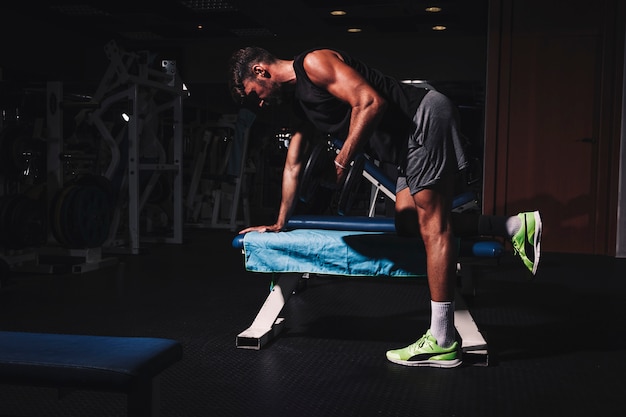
[(363, 122), (289, 197), (291, 178)]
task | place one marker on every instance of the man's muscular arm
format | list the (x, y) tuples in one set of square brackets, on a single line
[(327, 70), (290, 181)]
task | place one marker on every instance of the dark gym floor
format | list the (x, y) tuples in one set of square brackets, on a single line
[(557, 344)]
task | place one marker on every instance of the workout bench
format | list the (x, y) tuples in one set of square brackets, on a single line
[(129, 365), (346, 246)]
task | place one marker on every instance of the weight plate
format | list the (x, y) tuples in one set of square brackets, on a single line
[(91, 219), (97, 180), (351, 186), (62, 215), (318, 171), (54, 214)]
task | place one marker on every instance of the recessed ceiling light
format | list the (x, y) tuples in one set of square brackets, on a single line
[(209, 5), (439, 27), (414, 81), (433, 9), (338, 13), (354, 30)]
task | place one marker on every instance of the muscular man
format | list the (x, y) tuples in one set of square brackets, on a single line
[(413, 128)]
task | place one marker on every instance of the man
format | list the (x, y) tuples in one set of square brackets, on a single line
[(413, 128)]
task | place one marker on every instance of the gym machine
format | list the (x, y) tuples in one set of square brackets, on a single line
[(96, 184), (218, 190), (145, 147)]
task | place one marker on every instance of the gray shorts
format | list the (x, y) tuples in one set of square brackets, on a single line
[(436, 148)]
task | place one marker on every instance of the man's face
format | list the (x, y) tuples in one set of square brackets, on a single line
[(263, 91)]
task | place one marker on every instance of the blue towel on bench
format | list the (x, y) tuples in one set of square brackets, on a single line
[(333, 252)]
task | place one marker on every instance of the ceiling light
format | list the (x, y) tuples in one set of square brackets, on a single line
[(439, 27), (354, 30), (209, 5), (338, 13), (433, 9)]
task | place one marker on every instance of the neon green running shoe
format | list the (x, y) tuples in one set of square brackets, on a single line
[(426, 352), (527, 240)]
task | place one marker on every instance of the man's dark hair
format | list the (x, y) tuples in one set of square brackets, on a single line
[(241, 63)]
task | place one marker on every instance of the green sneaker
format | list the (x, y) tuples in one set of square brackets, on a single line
[(527, 240), (426, 352)]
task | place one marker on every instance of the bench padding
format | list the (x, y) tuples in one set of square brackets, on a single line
[(84, 361)]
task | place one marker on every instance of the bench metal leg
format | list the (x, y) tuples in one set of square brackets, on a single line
[(267, 324), (472, 341), (143, 400)]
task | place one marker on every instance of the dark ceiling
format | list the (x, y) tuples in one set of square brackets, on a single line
[(171, 22), (55, 38)]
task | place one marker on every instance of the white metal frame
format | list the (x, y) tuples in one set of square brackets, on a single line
[(120, 85)]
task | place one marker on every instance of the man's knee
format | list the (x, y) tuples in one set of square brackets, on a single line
[(407, 224), (406, 218)]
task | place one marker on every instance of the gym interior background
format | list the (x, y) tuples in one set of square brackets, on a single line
[(90, 198)]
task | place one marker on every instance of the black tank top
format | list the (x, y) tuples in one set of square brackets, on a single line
[(332, 116)]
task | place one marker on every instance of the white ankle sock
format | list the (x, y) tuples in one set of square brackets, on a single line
[(442, 322), (513, 225), (505, 226)]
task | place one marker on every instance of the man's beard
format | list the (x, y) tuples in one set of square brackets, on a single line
[(277, 95)]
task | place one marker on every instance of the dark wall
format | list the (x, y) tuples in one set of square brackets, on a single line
[(441, 58), (56, 55), (81, 62)]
